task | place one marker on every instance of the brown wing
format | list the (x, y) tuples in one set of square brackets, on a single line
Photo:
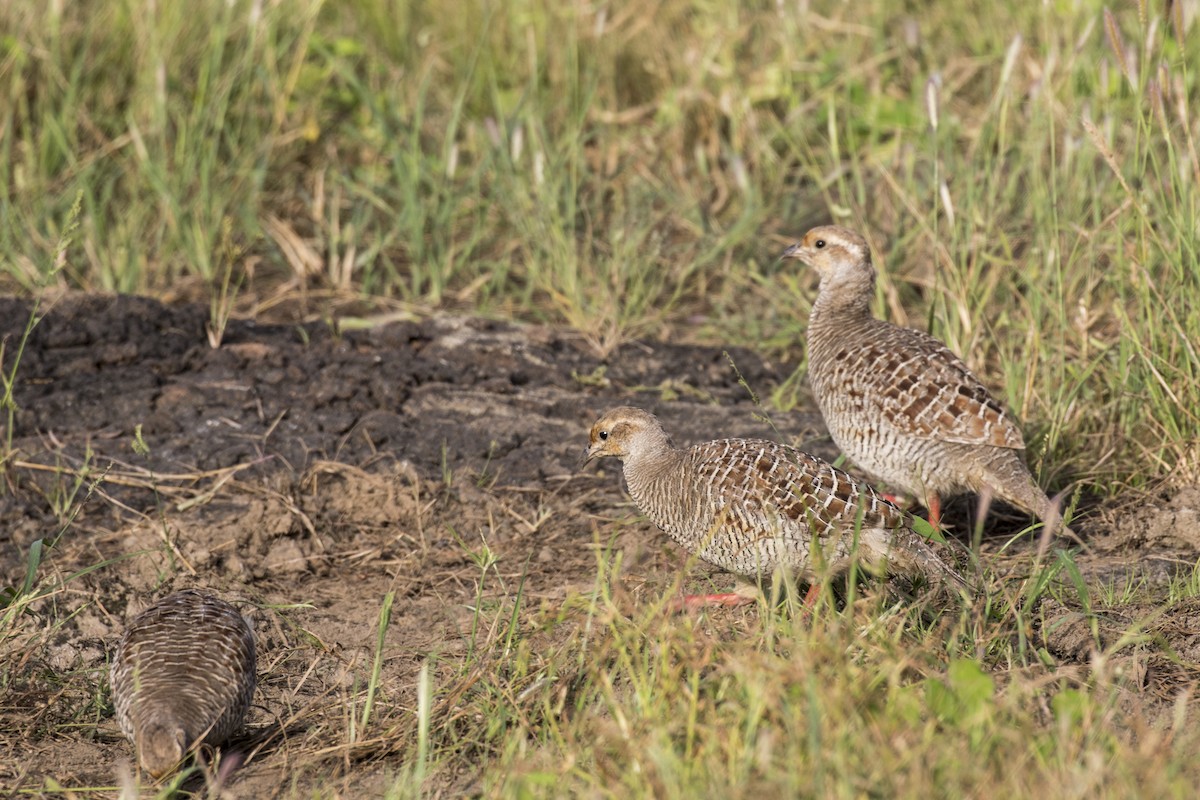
[(766, 486), (921, 387)]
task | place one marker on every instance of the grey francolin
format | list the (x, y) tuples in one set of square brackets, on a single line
[(903, 407), (751, 506), (183, 675)]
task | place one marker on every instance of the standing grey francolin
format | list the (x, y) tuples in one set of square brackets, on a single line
[(750, 506), (903, 407), (183, 674)]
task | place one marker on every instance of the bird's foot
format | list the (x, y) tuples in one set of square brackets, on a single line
[(694, 602)]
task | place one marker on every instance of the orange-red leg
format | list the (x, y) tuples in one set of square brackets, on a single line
[(694, 602), (935, 511)]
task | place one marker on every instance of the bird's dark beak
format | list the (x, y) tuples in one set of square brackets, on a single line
[(790, 252), (589, 455)]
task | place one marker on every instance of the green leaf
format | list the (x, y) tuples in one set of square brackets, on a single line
[(974, 687), (964, 696), (927, 531)]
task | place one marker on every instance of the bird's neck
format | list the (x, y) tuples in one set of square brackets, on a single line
[(844, 298), (653, 478), (848, 291), (841, 315)]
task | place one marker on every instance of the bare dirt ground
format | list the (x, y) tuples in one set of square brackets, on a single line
[(308, 473)]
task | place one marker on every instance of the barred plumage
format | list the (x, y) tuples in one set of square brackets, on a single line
[(183, 673), (750, 506), (897, 401)]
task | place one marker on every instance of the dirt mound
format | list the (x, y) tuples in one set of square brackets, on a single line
[(1169, 522)]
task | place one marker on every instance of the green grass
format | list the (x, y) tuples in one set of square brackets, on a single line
[(874, 699), (1025, 172), (1026, 175)]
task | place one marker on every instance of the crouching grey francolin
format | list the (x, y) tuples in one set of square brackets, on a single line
[(903, 407), (751, 506), (183, 674)]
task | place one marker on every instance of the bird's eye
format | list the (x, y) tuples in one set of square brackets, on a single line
[(603, 435), (819, 244)]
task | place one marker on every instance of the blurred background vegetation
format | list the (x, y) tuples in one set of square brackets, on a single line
[(1025, 172)]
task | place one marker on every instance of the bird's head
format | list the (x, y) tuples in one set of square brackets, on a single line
[(624, 432), (831, 250), (161, 747)]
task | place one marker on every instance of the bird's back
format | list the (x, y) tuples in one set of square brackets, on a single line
[(902, 405), (188, 661)]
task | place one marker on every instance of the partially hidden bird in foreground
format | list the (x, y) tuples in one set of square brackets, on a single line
[(897, 401), (751, 506), (183, 674)]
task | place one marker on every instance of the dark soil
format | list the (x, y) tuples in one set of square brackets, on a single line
[(308, 473)]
